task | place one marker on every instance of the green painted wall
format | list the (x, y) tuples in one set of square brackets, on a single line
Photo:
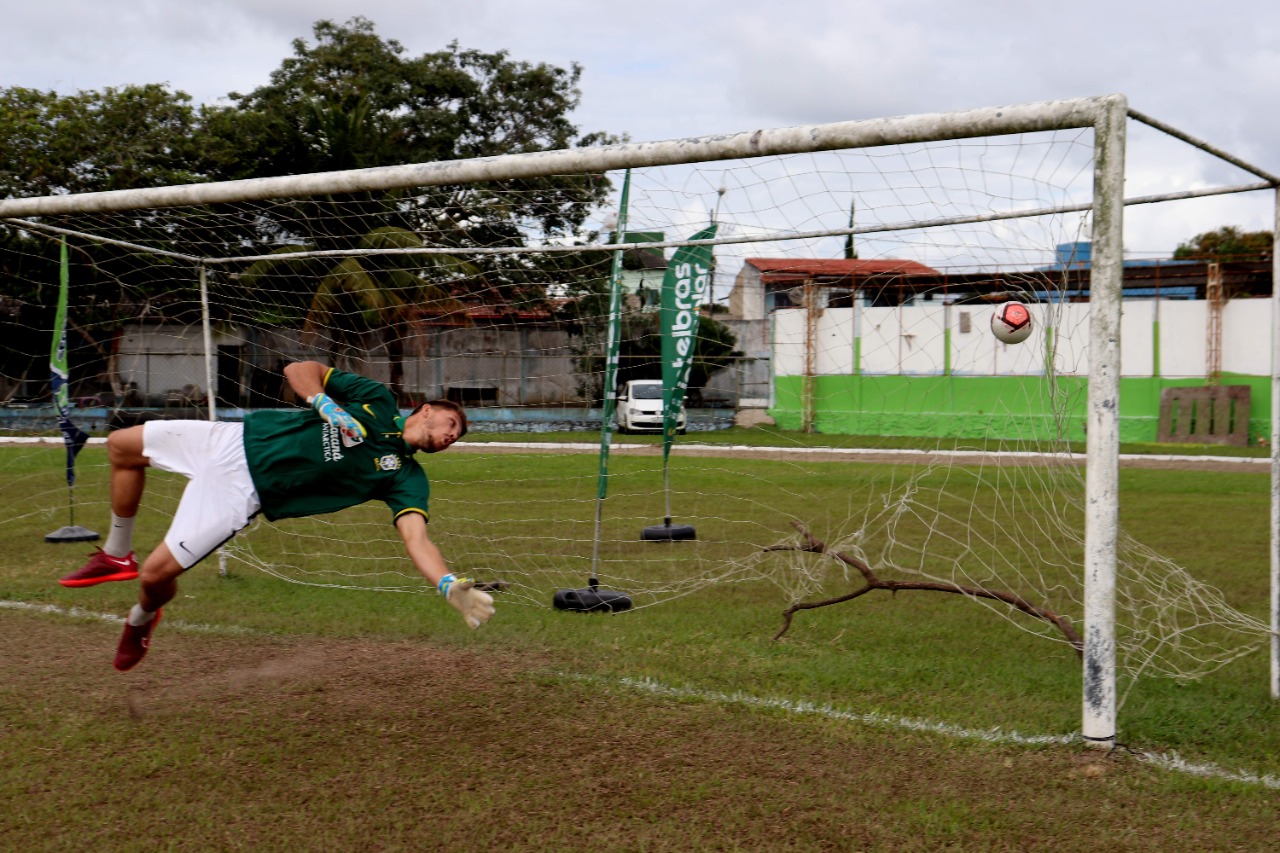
[(1004, 407)]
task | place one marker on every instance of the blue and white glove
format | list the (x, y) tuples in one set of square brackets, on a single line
[(350, 429), (475, 605)]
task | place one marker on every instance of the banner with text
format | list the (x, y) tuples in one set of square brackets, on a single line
[(685, 288)]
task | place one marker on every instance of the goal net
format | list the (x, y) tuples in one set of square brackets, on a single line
[(852, 294)]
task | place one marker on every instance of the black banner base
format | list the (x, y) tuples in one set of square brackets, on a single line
[(591, 600), (668, 533), (74, 533)]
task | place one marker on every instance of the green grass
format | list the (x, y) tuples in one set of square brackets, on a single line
[(275, 744), (528, 518)]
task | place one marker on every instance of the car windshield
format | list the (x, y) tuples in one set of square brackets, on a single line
[(646, 392)]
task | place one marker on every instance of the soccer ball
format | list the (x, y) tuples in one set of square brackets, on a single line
[(1011, 323)]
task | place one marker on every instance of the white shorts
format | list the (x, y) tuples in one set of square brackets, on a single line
[(220, 499)]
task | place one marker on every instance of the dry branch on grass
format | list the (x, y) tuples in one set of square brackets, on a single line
[(816, 546)]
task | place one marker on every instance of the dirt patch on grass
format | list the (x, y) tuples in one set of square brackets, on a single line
[(262, 743)]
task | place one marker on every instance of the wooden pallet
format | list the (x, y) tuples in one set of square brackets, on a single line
[(1208, 415)]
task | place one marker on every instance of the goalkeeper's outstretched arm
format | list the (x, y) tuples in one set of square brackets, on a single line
[(475, 605)]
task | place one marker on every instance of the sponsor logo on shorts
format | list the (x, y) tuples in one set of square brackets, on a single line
[(390, 462)]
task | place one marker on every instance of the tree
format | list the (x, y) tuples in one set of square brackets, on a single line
[(640, 350), (1228, 243), (353, 100), (92, 141), (850, 250), (348, 99), (357, 298), (115, 139)]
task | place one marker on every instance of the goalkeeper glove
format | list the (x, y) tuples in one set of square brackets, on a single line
[(475, 606), (350, 429)]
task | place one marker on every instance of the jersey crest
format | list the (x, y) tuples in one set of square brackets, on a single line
[(390, 462)]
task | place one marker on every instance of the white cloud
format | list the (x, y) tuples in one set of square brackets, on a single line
[(671, 68)]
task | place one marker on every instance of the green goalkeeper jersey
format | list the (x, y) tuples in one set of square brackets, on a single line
[(300, 466)]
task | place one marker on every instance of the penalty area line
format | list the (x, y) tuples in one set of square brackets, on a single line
[(1169, 761), (81, 613)]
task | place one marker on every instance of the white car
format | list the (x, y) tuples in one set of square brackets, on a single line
[(640, 407)]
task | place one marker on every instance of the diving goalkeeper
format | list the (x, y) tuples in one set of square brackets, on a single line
[(352, 446)]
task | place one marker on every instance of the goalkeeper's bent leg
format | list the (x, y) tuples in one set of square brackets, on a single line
[(159, 579)]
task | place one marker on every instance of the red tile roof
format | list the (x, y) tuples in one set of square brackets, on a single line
[(775, 269)]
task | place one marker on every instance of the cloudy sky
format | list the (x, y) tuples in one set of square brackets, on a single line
[(664, 69)]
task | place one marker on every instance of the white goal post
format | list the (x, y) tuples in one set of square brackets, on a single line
[(1275, 454), (1107, 116)]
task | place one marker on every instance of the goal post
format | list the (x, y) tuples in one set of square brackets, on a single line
[(1102, 478), (1106, 117), (1275, 452)]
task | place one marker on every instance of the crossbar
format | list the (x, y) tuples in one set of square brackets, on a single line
[(991, 121)]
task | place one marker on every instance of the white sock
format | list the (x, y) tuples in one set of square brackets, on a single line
[(120, 540), (139, 617)]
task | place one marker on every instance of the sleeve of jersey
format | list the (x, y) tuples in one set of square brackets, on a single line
[(352, 388), (409, 493)]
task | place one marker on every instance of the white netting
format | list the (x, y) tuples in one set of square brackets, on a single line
[(494, 295)]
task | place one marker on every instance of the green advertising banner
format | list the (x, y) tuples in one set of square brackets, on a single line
[(685, 287), (60, 373), (613, 342)]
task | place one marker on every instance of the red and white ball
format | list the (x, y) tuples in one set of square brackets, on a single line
[(1011, 323)]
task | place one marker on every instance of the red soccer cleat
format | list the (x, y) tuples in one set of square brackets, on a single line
[(102, 567), (134, 643)]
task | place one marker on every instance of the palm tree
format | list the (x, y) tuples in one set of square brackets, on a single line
[(358, 302)]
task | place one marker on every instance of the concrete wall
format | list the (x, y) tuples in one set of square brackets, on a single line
[(746, 300), (1157, 337), (749, 382), (497, 366), (156, 361), (914, 370), (526, 366)]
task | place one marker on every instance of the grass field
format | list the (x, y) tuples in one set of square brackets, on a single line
[(276, 715)]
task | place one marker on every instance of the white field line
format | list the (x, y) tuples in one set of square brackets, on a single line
[(751, 450), (852, 452), (1166, 760), (80, 613), (802, 708), (42, 439)]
